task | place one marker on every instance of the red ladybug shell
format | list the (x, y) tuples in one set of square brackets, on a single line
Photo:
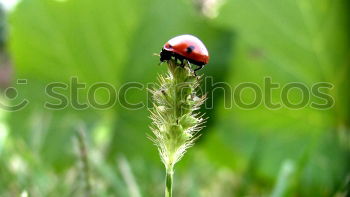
[(188, 46)]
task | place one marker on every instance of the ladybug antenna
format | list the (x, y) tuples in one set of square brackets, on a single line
[(156, 54)]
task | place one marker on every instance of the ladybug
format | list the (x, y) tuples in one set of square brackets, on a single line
[(186, 47)]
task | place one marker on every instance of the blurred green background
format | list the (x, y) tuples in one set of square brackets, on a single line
[(258, 152)]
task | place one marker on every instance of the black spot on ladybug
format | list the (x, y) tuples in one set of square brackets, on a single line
[(189, 49)]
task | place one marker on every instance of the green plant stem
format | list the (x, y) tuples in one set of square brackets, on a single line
[(169, 182), (84, 159)]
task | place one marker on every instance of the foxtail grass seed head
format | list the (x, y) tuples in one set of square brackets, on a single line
[(175, 122)]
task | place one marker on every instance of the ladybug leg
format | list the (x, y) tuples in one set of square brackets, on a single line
[(198, 68), (182, 63), (175, 59)]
